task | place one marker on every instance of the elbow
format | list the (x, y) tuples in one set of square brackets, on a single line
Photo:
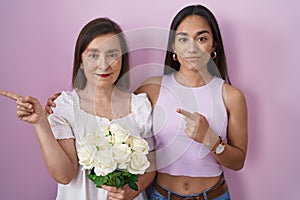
[(238, 167), (239, 162), (235, 165), (63, 177), (65, 180)]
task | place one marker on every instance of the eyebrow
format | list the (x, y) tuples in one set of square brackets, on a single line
[(113, 50), (97, 50), (198, 33), (92, 50)]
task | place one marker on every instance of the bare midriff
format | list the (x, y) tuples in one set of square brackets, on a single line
[(186, 184)]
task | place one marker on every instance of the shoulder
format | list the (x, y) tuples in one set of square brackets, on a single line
[(123, 95), (154, 81), (141, 102), (151, 87), (65, 102), (139, 96), (66, 96), (141, 109), (230, 92), (233, 97)]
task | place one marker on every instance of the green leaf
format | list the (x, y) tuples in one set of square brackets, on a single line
[(134, 178), (117, 179), (122, 181), (117, 173), (118, 182), (100, 180), (125, 173), (110, 175), (133, 186)]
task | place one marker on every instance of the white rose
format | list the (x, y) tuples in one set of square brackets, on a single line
[(102, 144), (104, 130), (94, 138), (107, 133), (114, 127), (90, 139), (86, 155), (121, 135), (104, 163), (139, 145), (138, 164), (121, 138), (121, 153)]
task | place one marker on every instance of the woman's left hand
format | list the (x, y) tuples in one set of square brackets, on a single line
[(123, 193), (198, 129), (196, 125)]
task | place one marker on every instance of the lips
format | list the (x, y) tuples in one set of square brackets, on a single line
[(192, 59), (103, 75)]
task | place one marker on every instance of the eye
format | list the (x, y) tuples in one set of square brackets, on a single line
[(112, 55), (93, 55), (201, 39), (182, 39)]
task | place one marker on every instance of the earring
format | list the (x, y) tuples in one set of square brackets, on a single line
[(214, 55), (174, 57)]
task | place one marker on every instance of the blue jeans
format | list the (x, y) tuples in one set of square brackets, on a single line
[(157, 196)]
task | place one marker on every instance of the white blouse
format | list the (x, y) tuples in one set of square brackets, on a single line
[(70, 121)]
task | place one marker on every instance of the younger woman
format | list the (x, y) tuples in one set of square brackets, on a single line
[(199, 118)]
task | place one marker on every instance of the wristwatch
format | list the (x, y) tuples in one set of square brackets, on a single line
[(220, 148)]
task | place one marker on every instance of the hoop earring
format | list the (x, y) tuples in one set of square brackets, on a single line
[(174, 57), (214, 55)]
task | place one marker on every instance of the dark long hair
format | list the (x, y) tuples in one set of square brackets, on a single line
[(95, 28), (219, 61)]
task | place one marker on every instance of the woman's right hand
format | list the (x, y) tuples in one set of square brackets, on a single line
[(50, 103), (29, 108)]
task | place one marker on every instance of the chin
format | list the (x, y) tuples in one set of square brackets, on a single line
[(104, 84)]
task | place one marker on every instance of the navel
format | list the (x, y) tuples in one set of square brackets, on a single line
[(186, 186)]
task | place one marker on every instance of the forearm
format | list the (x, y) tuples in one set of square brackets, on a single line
[(59, 165), (143, 182), (232, 157)]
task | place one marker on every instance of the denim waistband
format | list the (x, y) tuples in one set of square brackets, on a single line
[(221, 184)]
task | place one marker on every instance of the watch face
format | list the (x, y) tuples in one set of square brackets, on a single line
[(220, 148)]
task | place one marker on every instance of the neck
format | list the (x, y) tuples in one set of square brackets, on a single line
[(193, 78), (99, 94)]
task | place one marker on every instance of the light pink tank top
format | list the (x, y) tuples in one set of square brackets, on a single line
[(176, 153)]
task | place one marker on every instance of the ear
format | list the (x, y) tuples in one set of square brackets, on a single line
[(214, 47), (81, 66)]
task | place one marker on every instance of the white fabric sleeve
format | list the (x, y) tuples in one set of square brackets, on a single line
[(143, 118), (62, 117)]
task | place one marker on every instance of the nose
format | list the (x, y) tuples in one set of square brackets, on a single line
[(102, 63), (193, 47)]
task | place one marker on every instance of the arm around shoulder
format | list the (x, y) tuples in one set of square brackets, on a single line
[(151, 87)]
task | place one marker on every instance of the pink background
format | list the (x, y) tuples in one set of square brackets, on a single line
[(262, 43)]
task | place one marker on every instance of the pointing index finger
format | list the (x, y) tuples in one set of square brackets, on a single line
[(184, 112), (10, 95)]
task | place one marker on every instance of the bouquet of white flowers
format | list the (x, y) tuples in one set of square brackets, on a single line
[(113, 156)]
